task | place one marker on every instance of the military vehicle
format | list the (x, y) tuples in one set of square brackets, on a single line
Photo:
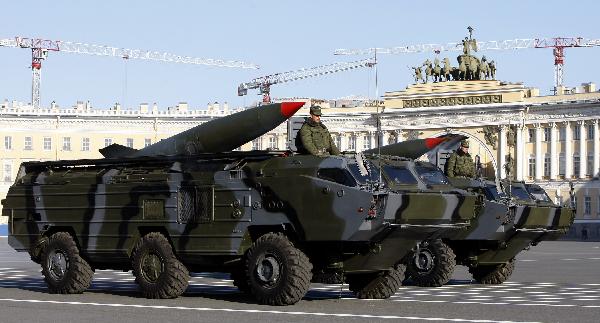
[(508, 223), (271, 219)]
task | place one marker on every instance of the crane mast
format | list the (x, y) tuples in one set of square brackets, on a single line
[(41, 47)]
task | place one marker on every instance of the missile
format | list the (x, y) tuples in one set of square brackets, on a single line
[(218, 135), (412, 149)]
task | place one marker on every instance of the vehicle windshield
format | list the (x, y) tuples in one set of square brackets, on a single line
[(538, 193), (431, 175), (371, 176), (520, 193), (399, 175), (491, 193)]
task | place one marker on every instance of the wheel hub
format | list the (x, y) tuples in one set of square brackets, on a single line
[(267, 269), (58, 264), (424, 260), (152, 267)]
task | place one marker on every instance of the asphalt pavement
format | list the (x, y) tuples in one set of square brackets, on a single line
[(553, 282)]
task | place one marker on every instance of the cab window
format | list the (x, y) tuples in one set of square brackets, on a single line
[(520, 193), (399, 175), (372, 174), (340, 176), (431, 175)]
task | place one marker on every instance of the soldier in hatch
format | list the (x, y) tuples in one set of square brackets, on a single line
[(314, 136), (460, 163)]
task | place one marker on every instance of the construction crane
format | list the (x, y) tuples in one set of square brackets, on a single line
[(41, 47), (264, 83), (557, 43)]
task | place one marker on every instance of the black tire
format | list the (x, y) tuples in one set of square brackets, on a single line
[(493, 274), (157, 271), (433, 266), (277, 272), (65, 272), (377, 286), (238, 275)]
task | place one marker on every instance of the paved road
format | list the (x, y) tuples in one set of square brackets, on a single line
[(553, 282)]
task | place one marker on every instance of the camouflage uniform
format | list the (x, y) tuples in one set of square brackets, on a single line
[(315, 138), (460, 164)]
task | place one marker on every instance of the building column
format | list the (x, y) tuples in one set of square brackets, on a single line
[(373, 138), (343, 141), (553, 151), (568, 151), (359, 141), (385, 138), (281, 141), (539, 159), (582, 150), (501, 173), (399, 136), (596, 149), (520, 152)]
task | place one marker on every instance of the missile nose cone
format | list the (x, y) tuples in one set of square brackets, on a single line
[(289, 108), (430, 143)]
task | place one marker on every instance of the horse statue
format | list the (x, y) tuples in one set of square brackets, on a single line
[(493, 70), (418, 76), (447, 69), (437, 71), (462, 70), (484, 69), (428, 70)]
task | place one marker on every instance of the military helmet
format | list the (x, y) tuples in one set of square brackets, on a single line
[(315, 110), (464, 143)]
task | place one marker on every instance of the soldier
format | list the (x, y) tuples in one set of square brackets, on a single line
[(460, 163), (314, 136)]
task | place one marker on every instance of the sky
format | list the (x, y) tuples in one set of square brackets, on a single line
[(279, 36)]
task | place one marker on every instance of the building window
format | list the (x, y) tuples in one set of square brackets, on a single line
[(66, 144), (562, 165), (576, 132), (590, 132), (129, 142), (547, 165), (562, 133), (256, 144), (85, 144), (147, 142), (559, 200), (352, 143), (547, 134), (598, 206), (47, 143), (576, 165), (587, 205), (590, 164), (338, 141), (531, 134), (7, 172), (107, 142), (8, 142), (531, 166), (28, 143), (366, 142), (391, 139), (272, 142)]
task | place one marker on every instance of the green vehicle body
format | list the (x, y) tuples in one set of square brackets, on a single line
[(217, 210)]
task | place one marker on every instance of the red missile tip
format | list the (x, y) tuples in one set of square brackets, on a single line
[(289, 108), (432, 142)]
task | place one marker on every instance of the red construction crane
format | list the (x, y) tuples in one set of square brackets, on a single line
[(41, 47), (557, 43)]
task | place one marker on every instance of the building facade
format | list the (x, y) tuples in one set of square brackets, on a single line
[(550, 140)]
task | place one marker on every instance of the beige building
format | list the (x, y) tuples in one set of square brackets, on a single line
[(550, 140)]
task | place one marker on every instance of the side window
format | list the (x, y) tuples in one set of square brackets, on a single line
[(400, 175), (340, 176)]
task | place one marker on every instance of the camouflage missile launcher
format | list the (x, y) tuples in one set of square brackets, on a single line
[(489, 246), (269, 219)]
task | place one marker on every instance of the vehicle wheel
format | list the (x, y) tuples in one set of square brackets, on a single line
[(278, 273), (433, 265), (377, 286), (156, 269), (65, 272), (238, 275), (493, 274)]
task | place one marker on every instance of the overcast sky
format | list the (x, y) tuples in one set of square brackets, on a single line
[(279, 36)]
